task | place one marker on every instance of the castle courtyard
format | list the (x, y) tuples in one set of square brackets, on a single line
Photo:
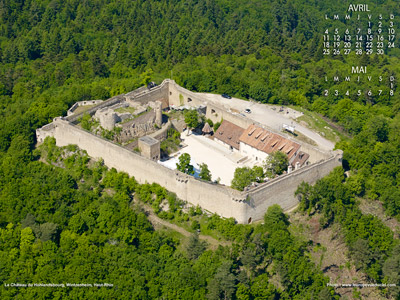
[(221, 161)]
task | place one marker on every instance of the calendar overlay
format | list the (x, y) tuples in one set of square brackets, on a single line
[(361, 32), (366, 37)]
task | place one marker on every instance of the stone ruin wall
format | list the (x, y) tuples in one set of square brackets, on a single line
[(82, 103), (163, 132)]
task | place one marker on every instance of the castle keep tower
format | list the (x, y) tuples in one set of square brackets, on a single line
[(149, 147), (157, 106), (108, 118)]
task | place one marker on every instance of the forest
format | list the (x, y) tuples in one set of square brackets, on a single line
[(67, 218)]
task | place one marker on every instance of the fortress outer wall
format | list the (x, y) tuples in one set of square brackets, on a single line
[(212, 197), (219, 199), (281, 190)]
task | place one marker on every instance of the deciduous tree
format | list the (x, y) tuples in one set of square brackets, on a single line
[(205, 173), (191, 119), (184, 164), (276, 163)]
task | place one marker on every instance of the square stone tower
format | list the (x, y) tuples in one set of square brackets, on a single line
[(149, 147)]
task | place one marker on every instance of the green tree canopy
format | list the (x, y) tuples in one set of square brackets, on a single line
[(184, 164), (192, 119), (276, 163), (275, 218), (205, 173)]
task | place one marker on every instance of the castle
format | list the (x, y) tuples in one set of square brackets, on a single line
[(255, 139)]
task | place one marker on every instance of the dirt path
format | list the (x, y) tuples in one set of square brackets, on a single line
[(158, 223)]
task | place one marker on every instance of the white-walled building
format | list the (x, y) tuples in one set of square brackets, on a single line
[(256, 143)]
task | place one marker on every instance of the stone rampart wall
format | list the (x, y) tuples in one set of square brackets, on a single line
[(157, 93), (212, 197), (281, 190), (215, 198), (180, 96), (218, 113), (82, 103)]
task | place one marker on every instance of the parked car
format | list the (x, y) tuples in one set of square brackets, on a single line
[(247, 110), (226, 96)]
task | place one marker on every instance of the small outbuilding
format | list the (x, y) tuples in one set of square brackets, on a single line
[(206, 129)]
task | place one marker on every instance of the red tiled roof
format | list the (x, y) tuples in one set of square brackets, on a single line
[(269, 142), (229, 133)]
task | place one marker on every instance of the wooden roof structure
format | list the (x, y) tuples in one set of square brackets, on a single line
[(268, 142), (229, 133), (206, 128)]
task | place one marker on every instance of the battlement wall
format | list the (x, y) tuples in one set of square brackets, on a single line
[(281, 190), (212, 197)]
